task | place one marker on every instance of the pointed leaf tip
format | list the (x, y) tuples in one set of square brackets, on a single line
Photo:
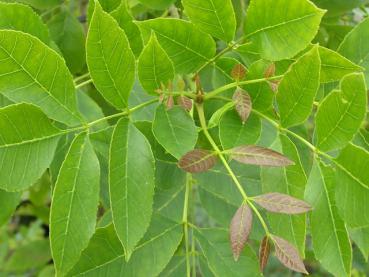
[(288, 255), (240, 229), (264, 252), (282, 203)]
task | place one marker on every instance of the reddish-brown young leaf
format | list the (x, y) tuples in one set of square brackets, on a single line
[(197, 160), (253, 154), (274, 85), (240, 229), (264, 251), (270, 71), (243, 104), (170, 102), (185, 102), (288, 255), (282, 203), (238, 72)]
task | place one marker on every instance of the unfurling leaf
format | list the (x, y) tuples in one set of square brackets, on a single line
[(238, 72), (270, 71), (243, 104), (185, 102), (253, 154), (288, 255), (264, 252), (282, 203), (197, 160), (240, 229)]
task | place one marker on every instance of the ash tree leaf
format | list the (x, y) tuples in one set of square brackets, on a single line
[(352, 185), (232, 132), (188, 47), (270, 27), (331, 243), (198, 160), (155, 69), (74, 204), (355, 46), (214, 243), (175, 130), (341, 113), (240, 229), (282, 203), (297, 90), (110, 59), (257, 155), (68, 33), (105, 255), (19, 17), (288, 255), (131, 184), (264, 252), (334, 66), (243, 104), (215, 17), (46, 83), (27, 145), (125, 20), (9, 201)]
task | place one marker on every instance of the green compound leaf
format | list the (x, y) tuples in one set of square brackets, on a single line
[(340, 114), (352, 185), (186, 46), (46, 83), (27, 145), (74, 204), (105, 256), (155, 69), (214, 243), (355, 46), (131, 184), (297, 90), (215, 17), (279, 33), (335, 66), (331, 242), (175, 130), (110, 59), (125, 20), (20, 17)]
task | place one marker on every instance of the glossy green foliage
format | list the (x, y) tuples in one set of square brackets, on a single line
[(162, 138), (111, 64), (131, 184)]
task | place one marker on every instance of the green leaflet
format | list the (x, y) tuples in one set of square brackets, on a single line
[(157, 4), (336, 7), (131, 184), (175, 268), (74, 204), (340, 114), (332, 246), (186, 46), (214, 243), (27, 145), (215, 17), (232, 132), (22, 18), (107, 5), (9, 201), (68, 34), (125, 20), (41, 4), (361, 238), (334, 66), (105, 256), (352, 188), (47, 83), (297, 90), (261, 93), (218, 114), (279, 33), (355, 46), (110, 59), (175, 130), (289, 180), (155, 69)]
